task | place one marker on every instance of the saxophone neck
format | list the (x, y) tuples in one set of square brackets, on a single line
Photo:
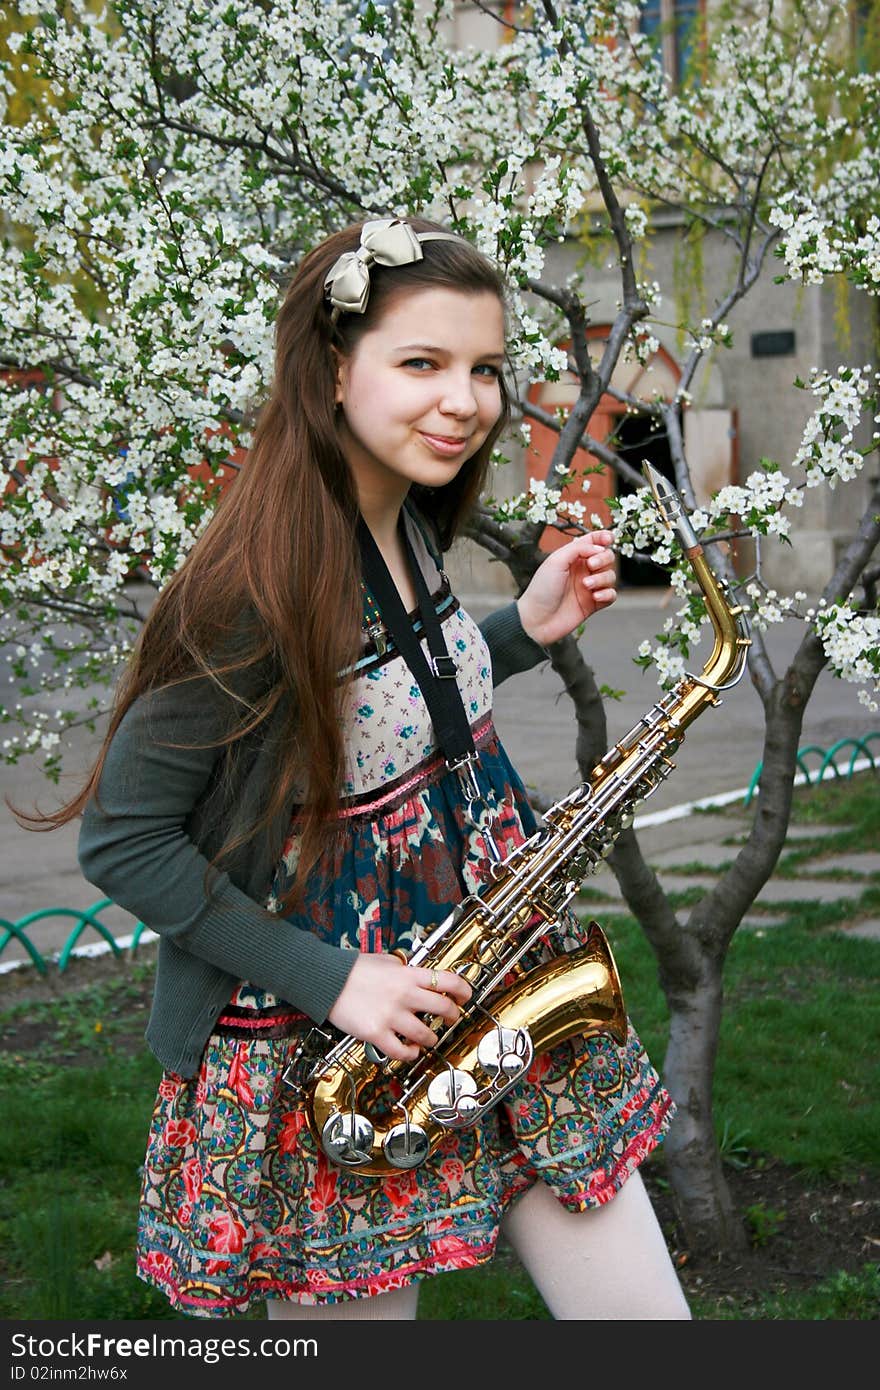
[(727, 661), (671, 507)]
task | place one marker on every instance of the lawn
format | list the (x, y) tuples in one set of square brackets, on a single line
[(796, 1096)]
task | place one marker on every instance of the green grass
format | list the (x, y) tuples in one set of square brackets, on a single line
[(796, 1079), (841, 1297)]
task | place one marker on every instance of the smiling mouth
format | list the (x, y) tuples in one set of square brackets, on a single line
[(446, 443)]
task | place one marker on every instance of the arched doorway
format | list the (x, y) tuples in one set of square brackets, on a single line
[(635, 437), (639, 437)]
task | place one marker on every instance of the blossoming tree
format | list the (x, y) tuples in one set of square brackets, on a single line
[(176, 161)]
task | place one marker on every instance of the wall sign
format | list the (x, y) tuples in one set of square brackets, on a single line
[(778, 343)]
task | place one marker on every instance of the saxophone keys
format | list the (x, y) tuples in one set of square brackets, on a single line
[(505, 1051), (511, 1064), (467, 1110), (347, 1139), (406, 1145), (450, 1090)]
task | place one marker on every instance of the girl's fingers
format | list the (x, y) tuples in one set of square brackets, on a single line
[(603, 585), (593, 575), (446, 982), (419, 1033), (438, 1005), (410, 1029), (593, 559), (600, 558), (394, 1047), (603, 575)]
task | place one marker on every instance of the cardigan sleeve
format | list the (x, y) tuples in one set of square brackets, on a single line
[(135, 845), (510, 647)]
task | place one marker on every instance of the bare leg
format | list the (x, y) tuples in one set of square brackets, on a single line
[(608, 1263), (400, 1304)]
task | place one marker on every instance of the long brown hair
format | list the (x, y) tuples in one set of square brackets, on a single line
[(274, 580)]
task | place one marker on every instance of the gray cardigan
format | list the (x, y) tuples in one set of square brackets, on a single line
[(167, 800)]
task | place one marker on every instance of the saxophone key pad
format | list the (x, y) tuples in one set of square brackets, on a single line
[(507, 1051), (406, 1146), (467, 1110), (511, 1063), (448, 1088), (347, 1138)]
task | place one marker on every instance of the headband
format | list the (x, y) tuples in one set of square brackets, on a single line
[(385, 242)]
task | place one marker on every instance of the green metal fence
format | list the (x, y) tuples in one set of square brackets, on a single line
[(828, 761), (84, 918)]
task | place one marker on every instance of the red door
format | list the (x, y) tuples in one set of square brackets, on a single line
[(599, 479)]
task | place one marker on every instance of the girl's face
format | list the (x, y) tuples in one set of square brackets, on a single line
[(420, 392)]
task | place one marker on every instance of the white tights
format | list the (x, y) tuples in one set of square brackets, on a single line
[(607, 1263)]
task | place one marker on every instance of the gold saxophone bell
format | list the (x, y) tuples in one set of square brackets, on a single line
[(376, 1116), (482, 1058)]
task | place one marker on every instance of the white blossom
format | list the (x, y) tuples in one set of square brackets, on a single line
[(146, 244)]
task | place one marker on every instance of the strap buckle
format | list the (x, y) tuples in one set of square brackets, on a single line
[(376, 633), (465, 766), (444, 667), (478, 809)]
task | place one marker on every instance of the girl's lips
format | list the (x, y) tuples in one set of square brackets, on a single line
[(443, 444)]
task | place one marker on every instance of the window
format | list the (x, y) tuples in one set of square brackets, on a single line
[(864, 18), (673, 25)]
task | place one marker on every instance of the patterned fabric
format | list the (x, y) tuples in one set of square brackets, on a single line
[(238, 1202)]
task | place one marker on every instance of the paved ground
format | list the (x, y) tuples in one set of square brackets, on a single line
[(712, 840), (535, 720)]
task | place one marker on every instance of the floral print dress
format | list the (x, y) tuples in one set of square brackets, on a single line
[(238, 1202)]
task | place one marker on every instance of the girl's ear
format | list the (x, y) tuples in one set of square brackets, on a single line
[(341, 365)]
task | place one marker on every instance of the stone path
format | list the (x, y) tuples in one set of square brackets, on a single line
[(712, 842)]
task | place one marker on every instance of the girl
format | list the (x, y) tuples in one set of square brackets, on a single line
[(274, 800)]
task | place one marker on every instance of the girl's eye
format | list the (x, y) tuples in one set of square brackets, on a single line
[(422, 363)]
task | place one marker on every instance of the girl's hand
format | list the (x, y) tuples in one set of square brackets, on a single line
[(572, 584), (383, 1000)]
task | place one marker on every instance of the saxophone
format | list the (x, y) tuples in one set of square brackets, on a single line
[(517, 1009)]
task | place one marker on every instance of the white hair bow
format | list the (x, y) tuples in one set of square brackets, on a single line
[(385, 242)]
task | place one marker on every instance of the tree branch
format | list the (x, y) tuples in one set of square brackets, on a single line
[(586, 442), (500, 19)]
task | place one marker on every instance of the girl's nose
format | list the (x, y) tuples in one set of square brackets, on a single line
[(458, 397)]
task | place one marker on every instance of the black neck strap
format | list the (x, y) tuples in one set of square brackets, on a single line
[(436, 679)]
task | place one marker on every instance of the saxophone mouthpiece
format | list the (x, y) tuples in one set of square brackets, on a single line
[(670, 506)]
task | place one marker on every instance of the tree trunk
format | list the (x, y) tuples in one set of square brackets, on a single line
[(694, 992), (703, 1202), (691, 954), (692, 985)]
